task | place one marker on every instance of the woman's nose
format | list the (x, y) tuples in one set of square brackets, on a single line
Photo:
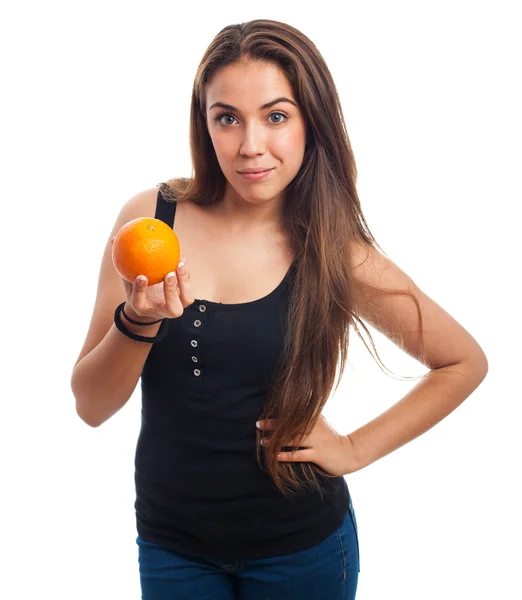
[(253, 142)]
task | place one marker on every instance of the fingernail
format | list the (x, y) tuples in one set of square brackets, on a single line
[(171, 278), (258, 424), (181, 268), (141, 279)]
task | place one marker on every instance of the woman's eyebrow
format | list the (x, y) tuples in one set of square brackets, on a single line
[(265, 106)]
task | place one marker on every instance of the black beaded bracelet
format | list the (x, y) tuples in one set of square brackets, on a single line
[(141, 324), (162, 331)]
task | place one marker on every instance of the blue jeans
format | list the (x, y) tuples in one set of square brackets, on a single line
[(328, 570)]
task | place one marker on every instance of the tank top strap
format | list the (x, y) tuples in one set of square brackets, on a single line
[(165, 210)]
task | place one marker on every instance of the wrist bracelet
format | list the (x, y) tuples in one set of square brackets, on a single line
[(140, 323), (162, 331)]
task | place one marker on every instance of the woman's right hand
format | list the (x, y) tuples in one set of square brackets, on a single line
[(166, 299)]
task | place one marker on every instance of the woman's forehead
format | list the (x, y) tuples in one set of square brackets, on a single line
[(253, 83)]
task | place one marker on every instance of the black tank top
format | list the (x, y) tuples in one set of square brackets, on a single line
[(199, 488)]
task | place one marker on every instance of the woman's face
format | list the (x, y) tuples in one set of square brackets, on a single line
[(254, 123)]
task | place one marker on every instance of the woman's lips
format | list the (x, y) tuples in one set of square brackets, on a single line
[(256, 176)]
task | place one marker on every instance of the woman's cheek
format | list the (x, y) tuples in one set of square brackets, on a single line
[(224, 150), (220, 144), (291, 144)]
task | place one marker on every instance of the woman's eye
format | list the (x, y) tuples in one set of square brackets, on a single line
[(278, 114), (225, 119)]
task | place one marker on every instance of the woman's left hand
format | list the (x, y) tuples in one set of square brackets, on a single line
[(333, 452)]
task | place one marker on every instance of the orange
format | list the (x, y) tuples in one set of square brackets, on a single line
[(145, 246)]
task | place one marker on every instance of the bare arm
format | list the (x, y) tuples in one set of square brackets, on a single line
[(110, 364), (104, 380), (457, 362)]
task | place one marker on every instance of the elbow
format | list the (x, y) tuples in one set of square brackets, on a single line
[(84, 416), (473, 369), (476, 364), (87, 420), (476, 368), (481, 365), (81, 403)]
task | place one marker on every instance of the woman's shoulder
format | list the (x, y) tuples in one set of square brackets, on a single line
[(174, 190), (144, 202), (141, 204)]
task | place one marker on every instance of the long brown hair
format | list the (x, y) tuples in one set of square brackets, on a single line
[(322, 212)]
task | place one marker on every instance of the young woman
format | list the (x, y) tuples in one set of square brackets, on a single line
[(240, 488)]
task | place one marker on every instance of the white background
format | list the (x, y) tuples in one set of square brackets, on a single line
[(95, 107)]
